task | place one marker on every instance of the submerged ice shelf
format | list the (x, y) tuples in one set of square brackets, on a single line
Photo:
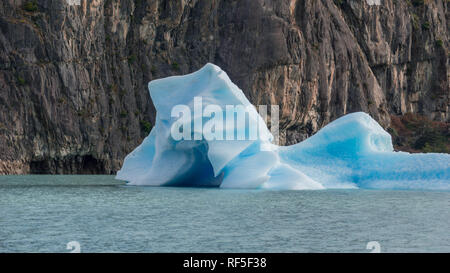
[(351, 152)]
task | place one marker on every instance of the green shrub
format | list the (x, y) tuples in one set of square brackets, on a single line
[(146, 126), (20, 80), (339, 2), (132, 59), (415, 21), (123, 114), (30, 6), (392, 132), (431, 141), (418, 3), (81, 113)]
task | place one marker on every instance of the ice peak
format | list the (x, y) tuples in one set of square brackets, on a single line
[(352, 151)]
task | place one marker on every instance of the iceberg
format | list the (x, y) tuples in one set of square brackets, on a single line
[(192, 145)]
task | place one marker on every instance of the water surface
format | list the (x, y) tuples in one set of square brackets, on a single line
[(44, 213)]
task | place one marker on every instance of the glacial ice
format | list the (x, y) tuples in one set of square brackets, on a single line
[(351, 152)]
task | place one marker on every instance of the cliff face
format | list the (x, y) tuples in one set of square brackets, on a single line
[(73, 79)]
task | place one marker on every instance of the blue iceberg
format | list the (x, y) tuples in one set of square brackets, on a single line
[(353, 151)]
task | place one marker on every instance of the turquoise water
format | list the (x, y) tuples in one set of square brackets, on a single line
[(44, 213)]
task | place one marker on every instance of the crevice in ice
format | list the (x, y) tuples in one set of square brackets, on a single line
[(198, 171)]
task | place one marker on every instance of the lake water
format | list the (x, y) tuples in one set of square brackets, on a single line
[(44, 213)]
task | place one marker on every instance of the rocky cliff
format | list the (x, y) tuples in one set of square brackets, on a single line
[(73, 78)]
